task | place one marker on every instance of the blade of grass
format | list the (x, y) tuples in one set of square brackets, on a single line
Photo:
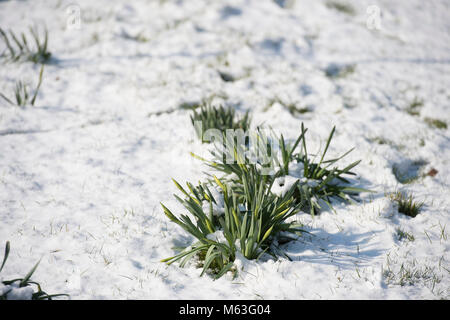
[(29, 274), (38, 86), (5, 256)]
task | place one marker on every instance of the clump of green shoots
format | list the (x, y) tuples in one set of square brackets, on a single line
[(318, 181), (406, 203), (251, 220), (26, 281), (18, 47), (323, 179), (221, 118), (22, 96), (402, 235)]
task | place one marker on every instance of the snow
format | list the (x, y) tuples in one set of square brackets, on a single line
[(283, 184), (14, 292), (83, 172)]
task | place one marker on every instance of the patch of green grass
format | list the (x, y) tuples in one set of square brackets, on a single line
[(436, 123), (138, 37), (411, 273), (341, 7), (220, 118), (24, 282), (421, 142), (382, 140), (189, 105), (291, 107), (406, 203), (271, 102), (303, 110), (403, 235), (19, 48), (335, 71), (414, 107), (22, 96)]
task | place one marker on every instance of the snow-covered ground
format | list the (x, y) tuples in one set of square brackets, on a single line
[(82, 172)]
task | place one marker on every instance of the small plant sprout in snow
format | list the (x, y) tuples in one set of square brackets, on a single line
[(414, 107), (219, 118), (436, 123), (406, 203), (20, 288), (403, 235), (22, 96), (19, 48)]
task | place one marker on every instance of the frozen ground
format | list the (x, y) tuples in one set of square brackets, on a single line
[(82, 173)]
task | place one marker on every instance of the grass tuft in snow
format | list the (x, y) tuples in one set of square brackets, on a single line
[(415, 106), (406, 203), (436, 123), (189, 105), (411, 273), (252, 218), (336, 71), (341, 7), (292, 107), (403, 235), (22, 96), (19, 47), (20, 288), (138, 37), (220, 118), (384, 141)]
